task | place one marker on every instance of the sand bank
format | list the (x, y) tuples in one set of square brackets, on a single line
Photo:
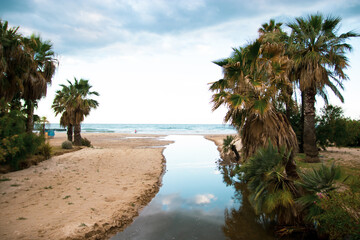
[(88, 194), (343, 156)]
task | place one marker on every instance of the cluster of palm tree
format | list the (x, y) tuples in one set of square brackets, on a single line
[(73, 103), (27, 65), (260, 79), (26, 68)]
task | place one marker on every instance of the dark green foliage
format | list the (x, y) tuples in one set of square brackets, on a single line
[(272, 192), (296, 124), (334, 128), (229, 144), (317, 184), (67, 145), (341, 215), (85, 142), (45, 150), (15, 143)]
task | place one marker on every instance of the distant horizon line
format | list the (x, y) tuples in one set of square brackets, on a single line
[(157, 123)]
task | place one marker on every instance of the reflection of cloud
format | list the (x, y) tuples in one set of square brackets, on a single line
[(168, 199), (204, 198), (217, 172)]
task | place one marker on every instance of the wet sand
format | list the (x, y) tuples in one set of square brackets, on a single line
[(87, 194)]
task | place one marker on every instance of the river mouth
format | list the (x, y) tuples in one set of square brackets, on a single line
[(198, 199)]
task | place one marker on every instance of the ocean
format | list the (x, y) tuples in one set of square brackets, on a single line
[(154, 128)]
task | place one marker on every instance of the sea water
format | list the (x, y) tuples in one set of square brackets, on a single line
[(155, 128)]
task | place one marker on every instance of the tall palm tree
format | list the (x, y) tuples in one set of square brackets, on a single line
[(74, 103), (39, 74), (253, 77), (61, 100), (14, 61), (318, 53)]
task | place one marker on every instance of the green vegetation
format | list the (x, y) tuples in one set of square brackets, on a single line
[(85, 142), (272, 192), (74, 104), (229, 144), (45, 150), (27, 66), (67, 196), (5, 179), (312, 202), (340, 215), (334, 129), (318, 61), (257, 90), (66, 145)]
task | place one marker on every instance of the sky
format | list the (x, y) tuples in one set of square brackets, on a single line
[(151, 61)]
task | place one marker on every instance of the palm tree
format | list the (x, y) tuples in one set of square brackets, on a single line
[(74, 103), (229, 144), (60, 103), (14, 61), (39, 74), (319, 60), (271, 191), (253, 78)]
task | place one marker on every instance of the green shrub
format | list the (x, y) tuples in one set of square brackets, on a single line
[(341, 216), (45, 150), (317, 184), (334, 128), (15, 143), (85, 142), (271, 191), (67, 145)]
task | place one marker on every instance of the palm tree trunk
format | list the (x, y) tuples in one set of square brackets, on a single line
[(301, 144), (70, 132), (290, 167), (30, 116), (288, 110), (77, 136), (237, 155), (310, 148)]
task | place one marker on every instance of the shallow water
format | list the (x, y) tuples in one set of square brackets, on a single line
[(198, 199)]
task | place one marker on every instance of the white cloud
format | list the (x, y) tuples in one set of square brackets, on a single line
[(151, 60), (204, 198)]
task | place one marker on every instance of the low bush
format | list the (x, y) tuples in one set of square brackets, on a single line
[(341, 216), (45, 150), (85, 142), (67, 145)]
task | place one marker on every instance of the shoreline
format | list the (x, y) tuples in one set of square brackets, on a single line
[(91, 193)]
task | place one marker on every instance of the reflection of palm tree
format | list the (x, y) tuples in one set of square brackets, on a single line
[(229, 144), (241, 223), (227, 172)]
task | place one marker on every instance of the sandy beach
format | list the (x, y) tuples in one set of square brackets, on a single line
[(87, 194), (94, 192)]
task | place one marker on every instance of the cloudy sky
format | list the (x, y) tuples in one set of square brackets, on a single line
[(151, 61)]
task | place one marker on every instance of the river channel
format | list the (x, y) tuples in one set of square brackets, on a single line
[(199, 199)]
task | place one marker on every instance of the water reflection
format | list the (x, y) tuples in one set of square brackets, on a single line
[(241, 222), (194, 202)]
